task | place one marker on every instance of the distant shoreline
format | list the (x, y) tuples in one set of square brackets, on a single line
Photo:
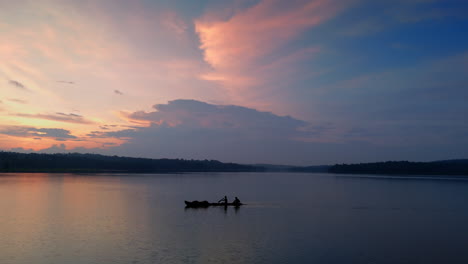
[(401, 168), (94, 163), (13, 162), (403, 176)]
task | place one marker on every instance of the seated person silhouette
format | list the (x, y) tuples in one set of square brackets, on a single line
[(223, 200), (236, 201)]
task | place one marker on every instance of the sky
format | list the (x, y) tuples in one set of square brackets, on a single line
[(249, 81)]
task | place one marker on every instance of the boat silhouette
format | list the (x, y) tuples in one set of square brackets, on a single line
[(204, 204)]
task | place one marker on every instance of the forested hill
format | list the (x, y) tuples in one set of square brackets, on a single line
[(75, 162), (448, 167)]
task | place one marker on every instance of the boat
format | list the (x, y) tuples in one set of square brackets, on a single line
[(205, 204)]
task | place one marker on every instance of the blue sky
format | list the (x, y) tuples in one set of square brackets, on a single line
[(266, 81)]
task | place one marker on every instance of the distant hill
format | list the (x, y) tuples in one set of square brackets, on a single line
[(446, 167), (75, 162)]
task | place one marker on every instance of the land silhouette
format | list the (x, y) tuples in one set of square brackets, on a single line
[(445, 167), (76, 162)]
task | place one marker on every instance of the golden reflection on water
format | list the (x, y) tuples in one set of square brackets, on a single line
[(58, 216)]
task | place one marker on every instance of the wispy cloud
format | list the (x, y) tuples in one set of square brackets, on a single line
[(418, 105), (365, 26), (67, 82), (18, 85), (391, 14), (60, 117), (17, 100), (418, 11), (107, 127), (174, 22), (32, 132)]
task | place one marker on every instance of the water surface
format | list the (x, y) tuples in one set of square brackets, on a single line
[(290, 218)]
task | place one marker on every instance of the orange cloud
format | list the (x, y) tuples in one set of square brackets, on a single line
[(59, 117)]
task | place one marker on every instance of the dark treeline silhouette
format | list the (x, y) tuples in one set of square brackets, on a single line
[(75, 162), (448, 167)]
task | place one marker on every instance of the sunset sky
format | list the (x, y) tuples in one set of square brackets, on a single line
[(265, 81)]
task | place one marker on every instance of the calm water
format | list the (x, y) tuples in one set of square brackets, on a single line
[(290, 218)]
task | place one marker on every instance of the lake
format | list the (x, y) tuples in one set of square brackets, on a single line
[(289, 218)]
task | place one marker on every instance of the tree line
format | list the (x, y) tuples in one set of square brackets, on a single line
[(76, 162), (449, 167)]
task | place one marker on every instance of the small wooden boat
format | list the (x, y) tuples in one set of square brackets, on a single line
[(204, 204)]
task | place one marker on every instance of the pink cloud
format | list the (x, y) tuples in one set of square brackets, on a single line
[(246, 50), (258, 30)]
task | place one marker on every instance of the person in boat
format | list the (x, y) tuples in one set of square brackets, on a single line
[(223, 200), (236, 201)]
